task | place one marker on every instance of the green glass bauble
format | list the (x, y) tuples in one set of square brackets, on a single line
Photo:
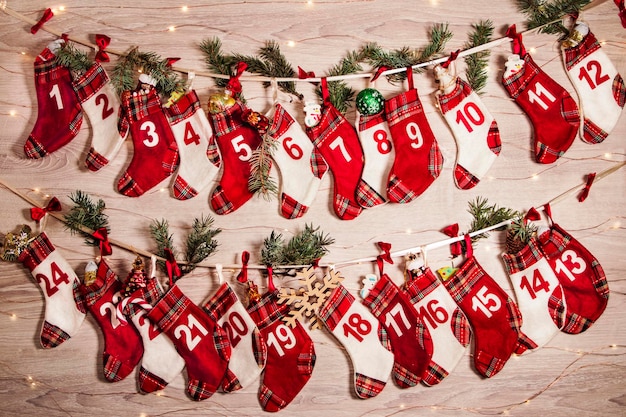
[(370, 101)]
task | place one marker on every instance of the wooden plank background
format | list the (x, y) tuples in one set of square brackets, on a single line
[(572, 375)]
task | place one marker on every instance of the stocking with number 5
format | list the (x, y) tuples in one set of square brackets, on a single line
[(122, 344), (155, 154), (494, 317), (101, 105), (59, 116), (600, 87), (59, 284), (236, 141), (290, 353), (198, 339), (585, 288)]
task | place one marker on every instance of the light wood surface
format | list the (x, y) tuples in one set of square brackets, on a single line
[(580, 375)]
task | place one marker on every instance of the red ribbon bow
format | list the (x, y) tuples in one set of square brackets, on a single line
[(102, 41), (270, 279), (234, 85), (173, 271), (105, 246), (171, 61), (47, 15), (622, 12), (585, 192), (453, 231), (532, 215), (37, 213), (243, 274), (379, 72), (451, 58), (518, 46), (303, 75), (386, 255)]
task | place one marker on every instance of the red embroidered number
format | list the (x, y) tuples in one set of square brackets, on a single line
[(357, 327), (235, 327), (432, 314), (106, 110), (292, 149), (539, 284), (470, 114), (58, 277), (382, 143), (599, 78), (190, 135)]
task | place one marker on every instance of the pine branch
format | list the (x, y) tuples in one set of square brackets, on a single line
[(123, 74), (486, 215), (86, 213), (272, 251), (303, 248), (260, 181), (439, 37), (216, 61), (278, 67), (160, 231), (200, 243), (74, 59), (541, 12), (340, 92), (477, 62)]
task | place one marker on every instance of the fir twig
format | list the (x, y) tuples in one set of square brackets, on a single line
[(477, 62), (200, 243), (74, 59), (123, 74), (160, 231), (260, 181), (541, 12), (86, 213), (302, 249), (216, 61), (486, 215), (272, 251), (340, 93)]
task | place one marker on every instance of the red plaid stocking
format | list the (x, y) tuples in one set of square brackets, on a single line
[(161, 362), (301, 166), (410, 339), (475, 131), (248, 348), (551, 109), (585, 288), (379, 154), (418, 160), (538, 292), (155, 153), (494, 317), (290, 353), (101, 105), (236, 141), (338, 143), (58, 111), (198, 339), (363, 336), (199, 160), (59, 284), (601, 90), (448, 326), (122, 344)]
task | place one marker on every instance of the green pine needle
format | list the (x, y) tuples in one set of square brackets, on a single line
[(160, 231), (260, 181), (541, 12), (486, 215), (302, 249), (201, 243), (86, 213), (124, 72), (74, 59), (477, 62), (216, 61)]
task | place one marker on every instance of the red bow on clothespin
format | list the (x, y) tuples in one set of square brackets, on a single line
[(171, 61), (585, 192), (379, 72), (451, 58), (173, 271), (270, 279), (234, 85), (622, 12), (531, 215), (37, 213), (105, 246), (102, 41), (47, 15), (243, 274), (303, 75), (453, 231), (518, 46), (383, 257)]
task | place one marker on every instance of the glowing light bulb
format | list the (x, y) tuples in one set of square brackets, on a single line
[(408, 231), (62, 8), (608, 155), (13, 317), (12, 112), (617, 225), (535, 177), (532, 50), (291, 44), (23, 53), (184, 8), (171, 28), (162, 190)]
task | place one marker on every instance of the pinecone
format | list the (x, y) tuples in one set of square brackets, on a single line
[(518, 234), (514, 243)]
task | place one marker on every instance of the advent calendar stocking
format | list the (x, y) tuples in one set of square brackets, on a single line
[(59, 116), (198, 339), (474, 128), (155, 154), (59, 284), (161, 362), (551, 109), (193, 136), (378, 155), (290, 353), (585, 288), (538, 292), (364, 338), (601, 90), (448, 326), (301, 171), (236, 141), (248, 348), (494, 317), (418, 160), (339, 145), (101, 105), (410, 339), (122, 344)]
